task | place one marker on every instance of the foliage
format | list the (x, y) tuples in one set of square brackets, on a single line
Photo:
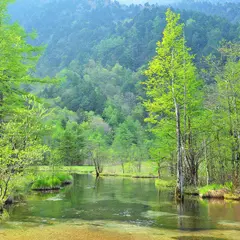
[(95, 115), (21, 143), (111, 32), (22, 115)]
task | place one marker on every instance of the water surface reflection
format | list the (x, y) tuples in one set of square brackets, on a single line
[(134, 201)]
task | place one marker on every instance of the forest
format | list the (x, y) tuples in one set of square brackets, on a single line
[(134, 90)]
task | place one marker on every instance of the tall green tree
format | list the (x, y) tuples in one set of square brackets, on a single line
[(21, 142), (130, 143), (21, 115), (228, 86), (171, 88)]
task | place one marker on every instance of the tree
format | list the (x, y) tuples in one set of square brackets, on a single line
[(72, 144), (129, 143), (228, 85), (162, 146), (22, 116), (21, 142), (96, 135), (171, 88)]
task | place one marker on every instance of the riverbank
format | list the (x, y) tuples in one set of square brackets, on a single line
[(68, 169), (226, 191), (36, 180), (109, 231), (127, 175), (148, 170)]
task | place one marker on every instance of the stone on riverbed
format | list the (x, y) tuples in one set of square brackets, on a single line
[(155, 214)]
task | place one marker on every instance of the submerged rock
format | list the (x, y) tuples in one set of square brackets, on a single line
[(66, 182), (154, 214), (56, 198), (9, 201)]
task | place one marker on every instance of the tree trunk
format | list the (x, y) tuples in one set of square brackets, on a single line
[(159, 171), (123, 170), (139, 166), (179, 188), (207, 163), (97, 173), (194, 175), (97, 168), (1, 104), (172, 165)]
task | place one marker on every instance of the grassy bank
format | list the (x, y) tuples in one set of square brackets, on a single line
[(67, 169), (226, 191), (165, 184), (21, 185), (215, 191), (147, 170)]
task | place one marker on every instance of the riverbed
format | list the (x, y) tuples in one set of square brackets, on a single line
[(119, 208)]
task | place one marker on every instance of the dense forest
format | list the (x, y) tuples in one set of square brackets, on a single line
[(103, 83)]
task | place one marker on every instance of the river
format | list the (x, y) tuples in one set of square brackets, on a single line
[(120, 208)]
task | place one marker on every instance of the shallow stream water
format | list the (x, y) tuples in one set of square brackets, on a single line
[(130, 206)]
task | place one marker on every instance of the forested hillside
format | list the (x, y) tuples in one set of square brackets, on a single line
[(226, 9), (111, 33), (118, 98)]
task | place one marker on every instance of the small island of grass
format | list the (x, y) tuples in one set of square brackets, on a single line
[(50, 181)]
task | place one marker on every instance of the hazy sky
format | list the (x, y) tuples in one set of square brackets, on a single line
[(167, 1), (144, 1)]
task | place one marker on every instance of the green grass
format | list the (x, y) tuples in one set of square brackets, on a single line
[(48, 180), (205, 189), (160, 183), (148, 169), (63, 176), (67, 169), (45, 182)]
